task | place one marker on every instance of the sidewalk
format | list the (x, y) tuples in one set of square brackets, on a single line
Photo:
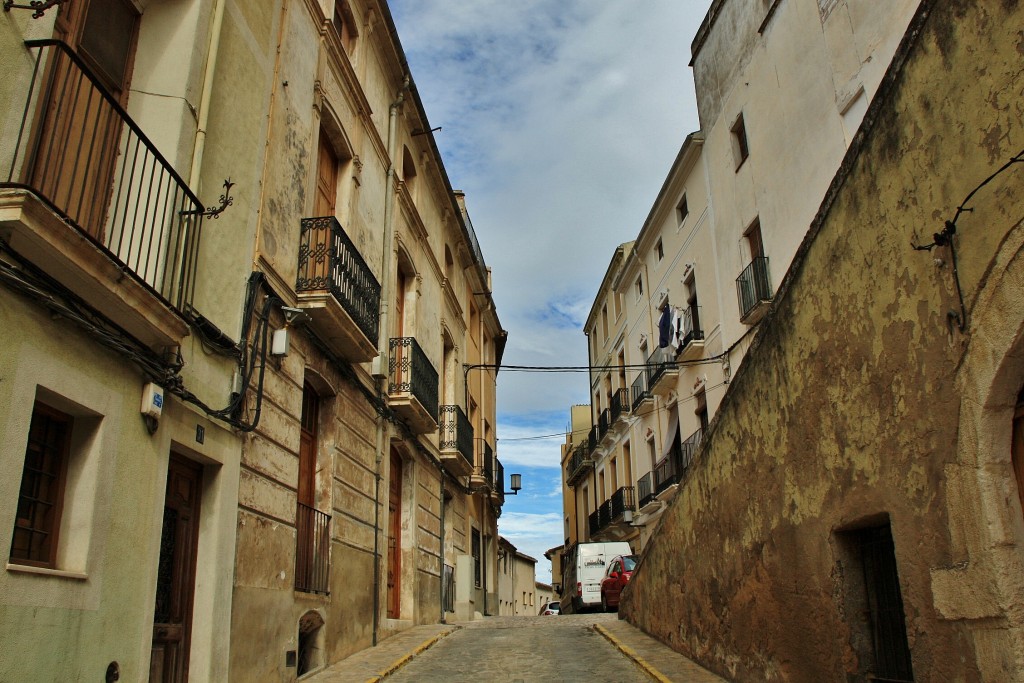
[(375, 664)]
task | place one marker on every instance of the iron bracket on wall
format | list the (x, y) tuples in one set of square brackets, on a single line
[(40, 6), (226, 200)]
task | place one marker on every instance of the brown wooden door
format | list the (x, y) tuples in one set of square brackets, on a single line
[(74, 160), (395, 537), (172, 622), (326, 179)]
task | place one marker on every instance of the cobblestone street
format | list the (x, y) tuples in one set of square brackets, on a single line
[(587, 647)]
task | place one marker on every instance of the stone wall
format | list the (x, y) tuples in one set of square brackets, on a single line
[(861, 402)]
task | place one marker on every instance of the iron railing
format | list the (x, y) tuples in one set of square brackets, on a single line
[(640, 390), (499, 480), (620, 404), (604, 515), (594, 523), (579, 460), (645, 489), (753, 285), (448, 588), (593, 438), (658, 363), (456, 433), (673, 467), (312, 550), (604, 422), (79, 151), (621, 501), (410, 371), (488, 463), (328, 260), (691, 326)]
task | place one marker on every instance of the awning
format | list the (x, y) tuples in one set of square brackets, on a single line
[(672, 432)]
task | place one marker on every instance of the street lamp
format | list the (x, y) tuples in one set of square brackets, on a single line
[(517, 483)]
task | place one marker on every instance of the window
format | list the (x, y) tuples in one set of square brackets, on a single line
[(639, 286), (345, 25), (740, 148), (659, 249), (41, 498), (702, 410), (604, 320), (755, 244), (682, 210), (691, 316)]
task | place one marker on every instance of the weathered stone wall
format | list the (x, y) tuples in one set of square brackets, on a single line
[(855, 403)]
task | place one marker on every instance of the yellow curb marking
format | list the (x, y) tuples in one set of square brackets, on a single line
[(629, 652), (402, 661)]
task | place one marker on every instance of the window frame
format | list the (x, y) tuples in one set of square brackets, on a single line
[(59, 486), (740, 141)]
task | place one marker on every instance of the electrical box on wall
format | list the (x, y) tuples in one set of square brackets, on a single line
[(152, 400)]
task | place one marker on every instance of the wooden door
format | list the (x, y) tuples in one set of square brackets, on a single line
[(326, 179), (395, 537), (73, 162), (401, 354), (179, 539), (305, 524)]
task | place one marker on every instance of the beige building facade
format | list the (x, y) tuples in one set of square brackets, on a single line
[(517, 582), (257, 432), (854, 512)]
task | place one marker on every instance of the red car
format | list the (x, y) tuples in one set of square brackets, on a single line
[(615, 579)]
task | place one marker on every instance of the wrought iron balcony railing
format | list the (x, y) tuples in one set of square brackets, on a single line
[(80, 152), (645, 489), (604, 515), (620, 404), (499, 481), (312, 550), (691, 326), (456, 433), (579, 462), (621, 501), (604, 422), (658, 363), (328, 260), (409, 371), (640, 391), (673, 467), (487, 460), (594, 523), (593, 439), (753, 286)]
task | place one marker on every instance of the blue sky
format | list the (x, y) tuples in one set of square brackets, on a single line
[(560, 119)]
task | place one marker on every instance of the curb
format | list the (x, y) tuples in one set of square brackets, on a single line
[(629, 652), (402, 661)]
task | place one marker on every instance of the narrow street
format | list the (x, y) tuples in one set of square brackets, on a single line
[(590, 647)]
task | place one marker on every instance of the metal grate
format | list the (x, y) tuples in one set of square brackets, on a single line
[(312, 550)]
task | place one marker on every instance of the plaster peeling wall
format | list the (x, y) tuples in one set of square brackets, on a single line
[(858, 399)]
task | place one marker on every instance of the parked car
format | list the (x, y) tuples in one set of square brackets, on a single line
[(615, 579), (550, 608)]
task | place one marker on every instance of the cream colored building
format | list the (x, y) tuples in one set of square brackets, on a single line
[(241, 448), (517, 582), (738, 197)]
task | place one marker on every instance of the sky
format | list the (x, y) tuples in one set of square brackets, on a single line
[(559, 120)]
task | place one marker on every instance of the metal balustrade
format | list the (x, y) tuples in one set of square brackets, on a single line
[(691, 326), (312, 550), (645, 489), (621, 501), (639, 390), (456, 433), (753, 286), (620, 404), (409, 371), (80, 152), (328, 260)]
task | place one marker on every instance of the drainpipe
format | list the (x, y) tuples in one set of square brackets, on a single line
[(382, 343), (203, 116)]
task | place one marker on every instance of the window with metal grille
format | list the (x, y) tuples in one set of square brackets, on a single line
[(476, 558), (41, 497)]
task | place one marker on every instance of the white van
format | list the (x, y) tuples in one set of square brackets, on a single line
[(583, 571)]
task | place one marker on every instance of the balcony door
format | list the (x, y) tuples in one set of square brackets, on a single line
[(77, 143), (305, 528), (176, 572), (326, 198), (395, 537)]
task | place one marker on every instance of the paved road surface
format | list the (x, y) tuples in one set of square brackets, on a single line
[(562, 648)]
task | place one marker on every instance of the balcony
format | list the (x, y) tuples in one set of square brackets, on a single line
[(456, 441), (692, 343), (662, 372), (412, 385), (312, 550), (89, 200), (672, 469), (338, 290), (498, 489), (754, 291), (621, 408), (604, 426), (580, 462), (641, 397), (645, 490), (608, 522)]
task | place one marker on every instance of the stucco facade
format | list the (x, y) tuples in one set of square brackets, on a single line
[(323, 473), (872, 403)]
